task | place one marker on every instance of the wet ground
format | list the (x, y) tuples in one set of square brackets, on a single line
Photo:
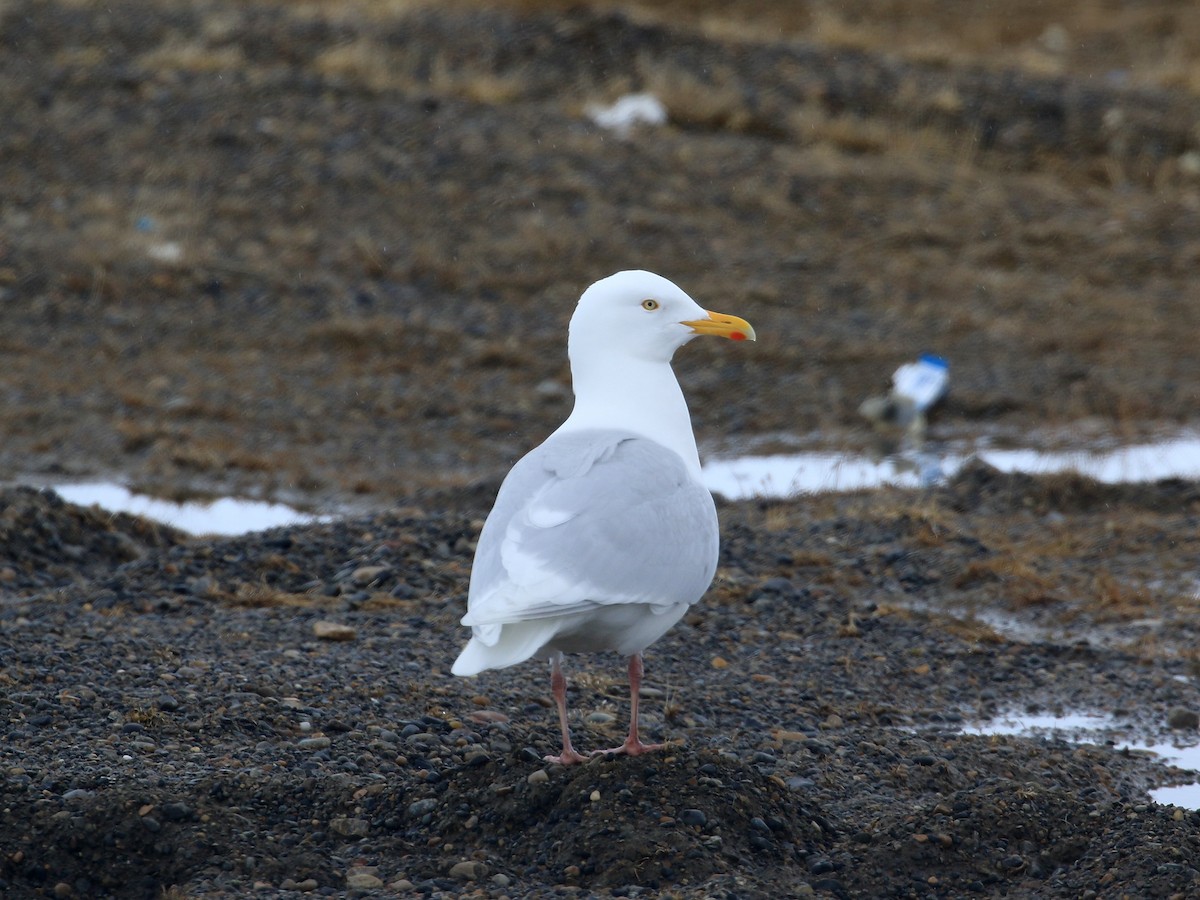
[(325, 254)]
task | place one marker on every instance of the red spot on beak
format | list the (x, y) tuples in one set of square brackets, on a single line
[(736, 336)]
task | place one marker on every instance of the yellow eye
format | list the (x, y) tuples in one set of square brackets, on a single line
[(650, 305)]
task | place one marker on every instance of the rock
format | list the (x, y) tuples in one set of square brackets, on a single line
[(364, 575), (363, 881), (422, 807), (541, 776), (314, 743), (483, 716), (334, 631), (348, 827), (469, 870), (693, 817), (1183, 718), (176, 811)]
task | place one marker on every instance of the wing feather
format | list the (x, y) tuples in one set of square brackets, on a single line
[(588, 519)]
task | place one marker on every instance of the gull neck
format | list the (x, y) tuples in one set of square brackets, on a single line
[(635, 395)]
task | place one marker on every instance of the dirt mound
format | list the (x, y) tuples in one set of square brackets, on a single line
[(46, 542), (980, 487), (655, 821)]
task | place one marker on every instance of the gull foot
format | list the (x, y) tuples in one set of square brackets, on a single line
[(630, 748), (568, 757)]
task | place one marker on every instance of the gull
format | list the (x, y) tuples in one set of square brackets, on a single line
[(602, 537)]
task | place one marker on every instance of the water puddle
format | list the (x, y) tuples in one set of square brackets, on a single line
[(1099, 729), (226, 516), (800, 473)]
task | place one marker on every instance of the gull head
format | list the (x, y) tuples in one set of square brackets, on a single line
[(640, 315)]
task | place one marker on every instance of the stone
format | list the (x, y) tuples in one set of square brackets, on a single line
[(333, 631), (348, 827), (469, 870), (364, 575), (693, 817)]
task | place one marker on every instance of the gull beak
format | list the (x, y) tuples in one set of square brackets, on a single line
[(732, 327)]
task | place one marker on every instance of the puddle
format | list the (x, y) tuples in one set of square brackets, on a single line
[(801, 473), (226, 516), (1100, 729)]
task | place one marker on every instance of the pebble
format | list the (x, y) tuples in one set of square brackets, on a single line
[(488, 716), (176, 811), (308, 884), (422, 807), (348, 827), (540, 776), (693, 817), (364, 575), (363, 881), (314, 743), (333, 631), (469, 870)]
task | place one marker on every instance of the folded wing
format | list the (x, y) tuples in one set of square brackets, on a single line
[(588, 519)]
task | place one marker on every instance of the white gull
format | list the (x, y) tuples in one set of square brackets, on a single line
[(603, 536)]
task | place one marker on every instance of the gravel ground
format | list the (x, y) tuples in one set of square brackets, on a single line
[(274, 712), (325, 253)]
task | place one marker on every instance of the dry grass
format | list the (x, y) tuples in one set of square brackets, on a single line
[(1119, 601), (195, 56), (262, 596), (1023, 584), (1154, 44), (370, 64)]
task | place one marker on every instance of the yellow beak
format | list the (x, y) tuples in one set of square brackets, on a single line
[(732, 327)]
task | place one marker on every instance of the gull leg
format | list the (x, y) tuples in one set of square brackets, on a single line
[(558, 685), (633, 745)]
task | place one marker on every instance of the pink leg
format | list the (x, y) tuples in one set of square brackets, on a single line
[(558, 685), (633, 745)]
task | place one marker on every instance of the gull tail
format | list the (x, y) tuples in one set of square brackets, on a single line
[(517, 642)]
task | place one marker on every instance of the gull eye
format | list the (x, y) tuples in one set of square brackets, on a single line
[(650, 305)]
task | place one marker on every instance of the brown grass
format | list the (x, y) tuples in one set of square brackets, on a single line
[(262, 596)]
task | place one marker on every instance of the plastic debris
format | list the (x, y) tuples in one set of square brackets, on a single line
[(627, 112)]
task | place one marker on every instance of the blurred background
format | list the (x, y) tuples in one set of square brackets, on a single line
[(325, 252)]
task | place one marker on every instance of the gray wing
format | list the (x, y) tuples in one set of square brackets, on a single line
[(592, 518)]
